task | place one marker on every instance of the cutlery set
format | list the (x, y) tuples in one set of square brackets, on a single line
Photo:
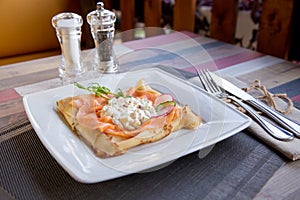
[(222, 88)]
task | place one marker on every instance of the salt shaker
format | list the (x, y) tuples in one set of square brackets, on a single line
[(68, 31), (102, 28)]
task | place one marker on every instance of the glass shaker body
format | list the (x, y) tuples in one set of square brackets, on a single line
[(102, 28), (68, 31)]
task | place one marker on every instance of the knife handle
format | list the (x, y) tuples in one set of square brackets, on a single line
[(287, 123), (270, 128)]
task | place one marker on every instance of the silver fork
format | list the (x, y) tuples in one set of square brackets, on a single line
[(211, 87)]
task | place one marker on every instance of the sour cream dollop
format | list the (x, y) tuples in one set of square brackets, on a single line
[(128, 112)]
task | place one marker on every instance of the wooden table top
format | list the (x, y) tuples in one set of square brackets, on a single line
[(183, 51)]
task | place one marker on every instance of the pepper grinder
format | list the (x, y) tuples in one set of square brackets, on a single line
[(68, 31), (102, 28)]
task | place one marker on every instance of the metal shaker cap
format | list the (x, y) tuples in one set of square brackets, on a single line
[(101, 17)]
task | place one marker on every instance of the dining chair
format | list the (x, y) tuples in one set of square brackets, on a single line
[(275, 26)]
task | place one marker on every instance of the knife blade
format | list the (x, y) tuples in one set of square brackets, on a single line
[(285, 122)]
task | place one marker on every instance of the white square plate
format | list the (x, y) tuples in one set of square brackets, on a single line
[(220, 122)]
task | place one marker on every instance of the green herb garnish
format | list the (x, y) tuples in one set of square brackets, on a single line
[(100, 91), (120, 93)]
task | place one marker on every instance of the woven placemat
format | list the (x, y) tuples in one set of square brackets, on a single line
[(235, 168)]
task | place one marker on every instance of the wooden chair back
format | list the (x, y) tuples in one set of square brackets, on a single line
[(274, 34)]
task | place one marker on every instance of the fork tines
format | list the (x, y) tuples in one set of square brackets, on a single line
[(207, 81)]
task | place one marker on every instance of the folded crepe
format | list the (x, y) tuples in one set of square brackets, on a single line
[(90, 117)]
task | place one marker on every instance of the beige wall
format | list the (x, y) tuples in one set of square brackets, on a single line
[(26, 25)]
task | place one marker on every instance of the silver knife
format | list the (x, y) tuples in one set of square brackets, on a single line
[(285, 122)]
